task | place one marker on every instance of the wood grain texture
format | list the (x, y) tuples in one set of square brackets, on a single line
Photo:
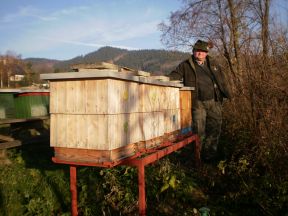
[(169, 98), (102, 132), (96, 156), (150, 98), (152, 125), (94, 97), (172, 120), (186, 108)]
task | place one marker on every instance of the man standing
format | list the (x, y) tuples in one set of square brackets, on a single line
[(202, 72)]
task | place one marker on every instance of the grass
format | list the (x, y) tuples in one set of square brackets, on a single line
[(32, 184)]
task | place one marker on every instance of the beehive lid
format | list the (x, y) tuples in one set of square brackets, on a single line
[(187, 88), (16, 91), (108, 75), (9, 90)]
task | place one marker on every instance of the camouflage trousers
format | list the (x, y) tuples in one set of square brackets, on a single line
[(207, 121)]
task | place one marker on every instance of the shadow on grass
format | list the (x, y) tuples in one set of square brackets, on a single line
[(32, 179)]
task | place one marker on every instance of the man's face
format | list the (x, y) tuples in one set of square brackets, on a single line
[(200, 55)]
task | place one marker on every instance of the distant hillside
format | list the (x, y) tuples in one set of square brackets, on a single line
[(107, 54), (42, 65), (155, 61)]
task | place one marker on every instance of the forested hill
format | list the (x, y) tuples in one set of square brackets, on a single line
[(155, 61)]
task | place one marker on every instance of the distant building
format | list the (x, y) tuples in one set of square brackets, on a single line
[(16, 77)]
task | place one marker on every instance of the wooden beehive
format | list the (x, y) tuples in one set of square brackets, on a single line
[(101, 115)]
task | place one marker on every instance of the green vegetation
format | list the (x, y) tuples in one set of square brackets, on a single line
[(32, 185), (245, 182), (250, 178)]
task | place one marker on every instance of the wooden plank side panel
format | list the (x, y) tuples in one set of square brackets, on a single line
[(58, 96), (124, 129), (132, 105), (71, 92), (72, 130), (152, 125), (186, 117), (96, 96), (164, 100), (172, 120), (76, 131), (81, 155), (185, 99), (118, 130), (133, 131), (110, 96), (86, 131), (58, 130), (101, 132), (173, 98), (122, 97), (150, 98), (61, 96), (53, 130), (98, 132), (186, 108), (81, 96), (53, 97), (169, 98), (91, 155), (82, 131)]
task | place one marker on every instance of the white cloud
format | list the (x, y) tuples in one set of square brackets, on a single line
[(87, 44), (26, 11)]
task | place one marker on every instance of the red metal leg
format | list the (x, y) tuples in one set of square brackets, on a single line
[(73, 189), (141, 187)]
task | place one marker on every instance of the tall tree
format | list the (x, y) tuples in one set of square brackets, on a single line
[(10, 64), (230, 24)]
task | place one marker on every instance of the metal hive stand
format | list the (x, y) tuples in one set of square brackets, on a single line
[(139, 160)]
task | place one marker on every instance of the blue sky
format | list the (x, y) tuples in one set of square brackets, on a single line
[(63, 29)]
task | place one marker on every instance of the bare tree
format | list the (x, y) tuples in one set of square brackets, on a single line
[(262, 10), (240, 31), (232, 25), (222, 21)]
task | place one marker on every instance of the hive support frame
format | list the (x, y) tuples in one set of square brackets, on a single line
[(147, 157)]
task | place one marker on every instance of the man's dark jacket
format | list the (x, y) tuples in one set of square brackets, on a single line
[(186, 71)]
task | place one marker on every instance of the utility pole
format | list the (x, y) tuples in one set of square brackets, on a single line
[(4, 65), (8, 72), (1, 71)]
